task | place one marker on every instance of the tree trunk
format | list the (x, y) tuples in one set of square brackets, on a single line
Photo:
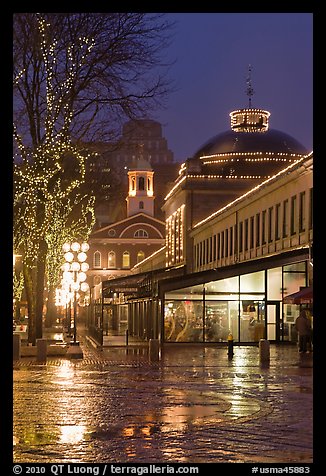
[(28, 282), (51, 311), (39, 299), (17, 310)]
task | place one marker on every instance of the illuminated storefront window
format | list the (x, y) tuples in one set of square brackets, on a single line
[(208, 312), (294, 277)]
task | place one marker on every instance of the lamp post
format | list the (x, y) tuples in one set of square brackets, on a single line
[(62, 300), (74, 274)]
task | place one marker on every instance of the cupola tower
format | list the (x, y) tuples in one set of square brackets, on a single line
[(140, 197)]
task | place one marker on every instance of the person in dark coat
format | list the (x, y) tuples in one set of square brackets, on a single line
[(303, 326)]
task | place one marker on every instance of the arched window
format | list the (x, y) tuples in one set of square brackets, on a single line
[(141, 205), (111, 259), (97, 259), (141, 233), (141, 183), (126, 259), (140, 256)]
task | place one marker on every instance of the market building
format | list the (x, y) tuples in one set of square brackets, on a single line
[(238, 242)]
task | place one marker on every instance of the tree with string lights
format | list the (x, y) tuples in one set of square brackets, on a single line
[(77, 76), (47, 209)]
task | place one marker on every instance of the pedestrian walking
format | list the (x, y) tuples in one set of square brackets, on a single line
[(303, 326), (310, 339)]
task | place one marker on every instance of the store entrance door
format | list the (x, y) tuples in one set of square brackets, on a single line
[(273, 320)]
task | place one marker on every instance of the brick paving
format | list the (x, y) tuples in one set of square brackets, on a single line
[(194, 405)]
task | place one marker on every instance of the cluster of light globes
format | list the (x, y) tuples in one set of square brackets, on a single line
[(75, 267)]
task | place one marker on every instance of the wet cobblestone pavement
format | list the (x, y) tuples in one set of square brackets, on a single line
[(194, 405)]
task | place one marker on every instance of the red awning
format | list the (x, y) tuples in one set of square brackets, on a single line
[(304, 296)]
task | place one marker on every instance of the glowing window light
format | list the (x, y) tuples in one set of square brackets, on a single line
[(150, 256)]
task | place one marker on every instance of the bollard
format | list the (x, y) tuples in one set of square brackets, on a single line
[(16, 346), (230, 345), (154, 349), (41, 349), (264, 353)]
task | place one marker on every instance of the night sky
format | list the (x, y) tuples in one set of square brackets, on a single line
[(212, 52)]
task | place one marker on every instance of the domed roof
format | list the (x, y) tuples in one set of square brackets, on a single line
[(140, 164), (234, 142)]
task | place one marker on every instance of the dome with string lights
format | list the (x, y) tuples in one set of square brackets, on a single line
[(229, 142), (234, 162), (250, 149)]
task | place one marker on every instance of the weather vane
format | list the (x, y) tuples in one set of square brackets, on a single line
[(250, 91)]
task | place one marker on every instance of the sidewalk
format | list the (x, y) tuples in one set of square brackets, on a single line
[(193, 405), (121, 340), (281, 355)]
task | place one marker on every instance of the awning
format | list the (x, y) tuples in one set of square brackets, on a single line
[(132, 285), (304, 296)]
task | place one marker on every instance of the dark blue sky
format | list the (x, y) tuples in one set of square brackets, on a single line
[(212, 53)]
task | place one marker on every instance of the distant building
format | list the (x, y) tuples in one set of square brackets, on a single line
[(119, 246), (148, 134), (108, 171)]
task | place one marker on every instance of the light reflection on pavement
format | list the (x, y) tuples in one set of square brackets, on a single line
[(194, 405)]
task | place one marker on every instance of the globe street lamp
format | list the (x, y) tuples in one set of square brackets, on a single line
[(74, 274)]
